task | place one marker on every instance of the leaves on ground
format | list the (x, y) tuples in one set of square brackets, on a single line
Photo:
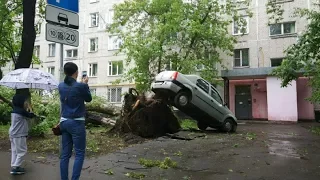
[(315, 130), (251, 136), (165, 164), (109, 172), (135, 175)]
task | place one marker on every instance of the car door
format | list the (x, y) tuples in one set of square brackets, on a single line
[(217, 104), (201, 93)]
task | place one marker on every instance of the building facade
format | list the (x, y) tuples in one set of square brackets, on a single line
[(250, 91), (95, 54)]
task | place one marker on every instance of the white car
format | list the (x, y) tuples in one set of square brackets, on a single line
[(197, 98)]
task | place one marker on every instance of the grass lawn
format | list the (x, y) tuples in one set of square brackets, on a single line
[(98, 142)]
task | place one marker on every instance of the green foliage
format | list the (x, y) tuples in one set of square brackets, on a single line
[(251, 136), (10, 30), (275, 11), (109, 172), (165, 164), (135, 175), (188, 124), (49, 107), (5, 109), (46, 106), (303, 58), (174, 34), (315, 130)]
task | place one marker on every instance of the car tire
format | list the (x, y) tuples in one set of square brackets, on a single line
[(202, 126), (229, 126), (182, 99)]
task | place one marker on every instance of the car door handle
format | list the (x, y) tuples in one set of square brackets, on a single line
[(196, 88), (211, 100)]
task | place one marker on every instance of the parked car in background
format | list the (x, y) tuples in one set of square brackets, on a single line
[(197, 98)]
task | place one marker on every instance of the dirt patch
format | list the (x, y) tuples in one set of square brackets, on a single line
[(148, 118)]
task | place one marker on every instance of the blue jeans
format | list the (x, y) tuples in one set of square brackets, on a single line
[(73, 134)]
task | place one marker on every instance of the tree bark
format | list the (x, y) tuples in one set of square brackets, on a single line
[(28, 39), (94, 118)]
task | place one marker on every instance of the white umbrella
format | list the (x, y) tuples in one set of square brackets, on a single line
[(29, 78)]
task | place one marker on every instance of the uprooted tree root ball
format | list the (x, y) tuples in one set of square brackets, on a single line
[(144, 117)]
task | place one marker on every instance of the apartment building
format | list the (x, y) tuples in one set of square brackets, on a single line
[(250, 91), (95, 54)]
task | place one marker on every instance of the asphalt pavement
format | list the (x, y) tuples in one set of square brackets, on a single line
[(255, 152)]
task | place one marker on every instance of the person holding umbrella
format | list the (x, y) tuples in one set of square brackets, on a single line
[(73, 96), (18, 131)]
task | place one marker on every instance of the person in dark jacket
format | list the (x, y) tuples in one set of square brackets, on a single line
[(18, 132), (73, 96)]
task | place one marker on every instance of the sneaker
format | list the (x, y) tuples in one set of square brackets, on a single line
[(17, 171)]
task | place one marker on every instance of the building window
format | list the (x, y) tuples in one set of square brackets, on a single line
[(115, 68), (94, 19), (93, 70), (283, 1), (110, 16), (114, 42), (38, 28), (93, 92), (241, 28), (276, 62), (241, 58), (52, 50), (114, 95), (93, 45), (36, 51), (72, 53), (51, 70), (282, 28)]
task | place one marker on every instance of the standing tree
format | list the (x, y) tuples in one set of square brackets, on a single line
[(174, 34), (303, 58), (28, 38)]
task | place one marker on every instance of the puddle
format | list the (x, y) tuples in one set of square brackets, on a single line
[(283, 148)]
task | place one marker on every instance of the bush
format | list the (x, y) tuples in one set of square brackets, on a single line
[(5, 109), (48, 107), (43, 105)]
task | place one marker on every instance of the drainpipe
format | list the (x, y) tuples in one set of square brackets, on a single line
[(257, 31), (226, 92)]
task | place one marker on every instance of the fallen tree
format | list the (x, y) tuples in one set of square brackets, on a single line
[(146, 117)]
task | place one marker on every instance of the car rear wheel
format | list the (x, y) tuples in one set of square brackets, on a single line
[(229, 126), (182, 99), (202, 126)]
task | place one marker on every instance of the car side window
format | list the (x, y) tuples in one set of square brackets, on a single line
[(203, 85), (215, 95)]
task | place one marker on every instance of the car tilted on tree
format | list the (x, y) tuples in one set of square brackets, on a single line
[(197, 98)]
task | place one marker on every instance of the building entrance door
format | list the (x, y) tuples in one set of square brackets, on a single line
[(243, 102)]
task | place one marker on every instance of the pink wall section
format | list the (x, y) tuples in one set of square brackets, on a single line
[(282, 102), (305, 108), (258, 93)]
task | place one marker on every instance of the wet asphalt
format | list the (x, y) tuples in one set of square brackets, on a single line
[(255, 152)]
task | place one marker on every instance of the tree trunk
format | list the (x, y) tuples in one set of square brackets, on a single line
[(28, 38)]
